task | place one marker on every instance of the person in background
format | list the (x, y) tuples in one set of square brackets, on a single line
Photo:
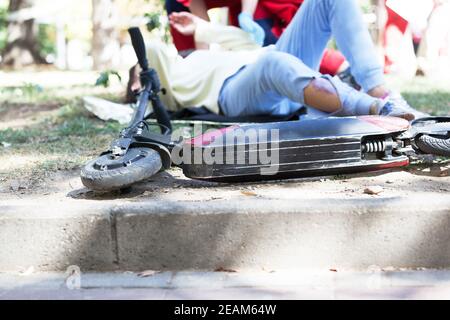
[(264, 20), (434, 50), (416, 36), (239, 11), (397, 41)]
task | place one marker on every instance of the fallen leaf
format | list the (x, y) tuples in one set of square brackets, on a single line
[(148, 273), (249, 193), (221, 269), (333, 270), (15, 185), (389, 268), (373, 190), (268, 270), (28, 271)]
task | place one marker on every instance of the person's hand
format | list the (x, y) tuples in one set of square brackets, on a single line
[(184, 22), (135, 81), (256, 31)]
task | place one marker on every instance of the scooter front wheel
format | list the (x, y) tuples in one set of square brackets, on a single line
[(108, 172)]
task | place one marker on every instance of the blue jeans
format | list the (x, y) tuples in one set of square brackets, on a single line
[(274, 84), (267, 25)]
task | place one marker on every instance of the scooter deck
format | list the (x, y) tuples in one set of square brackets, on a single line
[(295, 149)]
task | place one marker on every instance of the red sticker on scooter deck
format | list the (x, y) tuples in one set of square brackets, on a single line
[(390, 165), (208, 138), (387, 123)]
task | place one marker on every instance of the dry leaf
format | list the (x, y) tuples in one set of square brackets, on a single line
[(221, 269), (28, 272), (249, 193), (333, 270), (15, 185), (268, 270), (147, 273), (373, 190)]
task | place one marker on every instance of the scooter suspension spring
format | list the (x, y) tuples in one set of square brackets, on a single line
[(374, 146)]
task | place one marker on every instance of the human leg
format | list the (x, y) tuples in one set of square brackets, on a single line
[(279, 84), (315, 22), (267, 25), (310, 30)]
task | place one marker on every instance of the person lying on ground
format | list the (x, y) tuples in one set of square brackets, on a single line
[(280, 79)]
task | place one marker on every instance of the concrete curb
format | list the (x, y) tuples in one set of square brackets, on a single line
[(55, 237), (244, 234), (428, 284)]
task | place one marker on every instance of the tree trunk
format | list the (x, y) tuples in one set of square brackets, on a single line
[(22, 47), (380, 11), (105, 44)]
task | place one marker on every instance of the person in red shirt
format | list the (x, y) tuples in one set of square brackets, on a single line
[(272, 16), (394, 20), (186, 44)]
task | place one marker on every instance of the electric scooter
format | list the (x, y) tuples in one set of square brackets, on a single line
[(259, 151)]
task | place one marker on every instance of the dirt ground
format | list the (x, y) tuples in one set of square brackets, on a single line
[(65, 186), (17, 115)]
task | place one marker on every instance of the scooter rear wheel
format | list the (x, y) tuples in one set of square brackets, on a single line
[(432, 145), (108, 173)]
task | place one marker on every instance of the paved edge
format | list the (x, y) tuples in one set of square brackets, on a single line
[(245, 234), (426, 284), (358, 206)]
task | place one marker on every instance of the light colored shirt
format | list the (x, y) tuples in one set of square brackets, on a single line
[(198, 79)]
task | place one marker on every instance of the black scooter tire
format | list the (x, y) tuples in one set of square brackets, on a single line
[(436, 146), (123, 177)]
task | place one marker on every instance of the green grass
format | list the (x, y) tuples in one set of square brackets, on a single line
[(63, 140), (424, 94), (435, 103), (69, 121)]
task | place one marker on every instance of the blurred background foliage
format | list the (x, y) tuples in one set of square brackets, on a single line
[(3, 25), (66, 29), (75, 34)]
